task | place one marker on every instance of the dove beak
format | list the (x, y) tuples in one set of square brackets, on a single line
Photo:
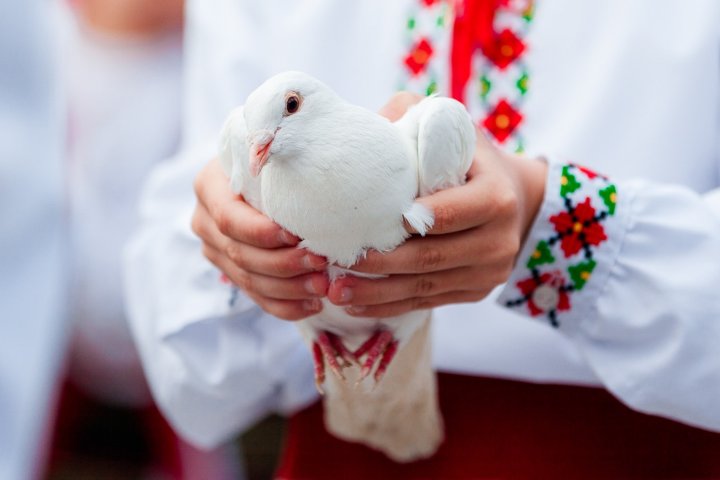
[(260, 143)]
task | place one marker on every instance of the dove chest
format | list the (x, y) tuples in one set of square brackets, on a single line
[(343, 205)]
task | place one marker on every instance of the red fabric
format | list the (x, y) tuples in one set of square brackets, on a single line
[(164, 442), (473, 29), (505, 429), (79, 430)]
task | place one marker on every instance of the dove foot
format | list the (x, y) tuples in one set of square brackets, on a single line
[(329, 350), (400, 415), (380, 349)]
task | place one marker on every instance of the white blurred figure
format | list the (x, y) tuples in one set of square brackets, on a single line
[(122, 61), (32, 241), (124, 86)]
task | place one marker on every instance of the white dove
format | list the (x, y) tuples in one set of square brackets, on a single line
[(344, 179)]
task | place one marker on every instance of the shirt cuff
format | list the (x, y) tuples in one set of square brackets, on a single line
[(192, 290), (567, 256)]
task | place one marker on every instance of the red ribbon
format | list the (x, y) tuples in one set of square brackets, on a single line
[(473, 29)]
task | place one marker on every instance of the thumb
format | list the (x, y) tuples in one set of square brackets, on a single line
[(398, 105)]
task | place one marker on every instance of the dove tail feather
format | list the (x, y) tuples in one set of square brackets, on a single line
[(420, 218)]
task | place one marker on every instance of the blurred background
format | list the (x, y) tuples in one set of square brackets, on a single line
[(121, 83)]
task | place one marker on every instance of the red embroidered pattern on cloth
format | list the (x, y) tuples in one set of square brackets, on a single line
[(427, 47), (498, 75), (488, 71), (551, 277)]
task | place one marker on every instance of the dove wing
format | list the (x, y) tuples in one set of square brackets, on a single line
[(234, 156), (446, 144)]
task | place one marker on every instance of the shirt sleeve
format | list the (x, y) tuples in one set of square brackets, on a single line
[(216, 363), (630, 272)]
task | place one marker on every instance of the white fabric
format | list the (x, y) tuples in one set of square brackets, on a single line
[(652, 334), (647, 317), (124, 108), (630, 90), (32, 243), (199, 351)]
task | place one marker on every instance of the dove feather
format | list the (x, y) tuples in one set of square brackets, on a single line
[(445, 137), (234, 158)]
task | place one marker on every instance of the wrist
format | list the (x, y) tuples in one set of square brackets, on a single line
[(531, 176)]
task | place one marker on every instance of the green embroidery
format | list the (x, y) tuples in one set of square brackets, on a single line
[(511, 23), (540, 255), (609, 197), (568, 182), (522, 83), (581, 272), (578, 231), (431, 88), (529, 12), (485, 86), (425, 28)]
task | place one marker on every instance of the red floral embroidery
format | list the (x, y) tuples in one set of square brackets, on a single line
[(577, 230), (505, 49), (530, 288), (419, 57), (589, 173), (578, 227), (502, 121)]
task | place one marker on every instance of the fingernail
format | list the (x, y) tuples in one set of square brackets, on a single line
[(346, 295), (313, 262), (312, 305), (312, 287), (355, 309), (287, 238)]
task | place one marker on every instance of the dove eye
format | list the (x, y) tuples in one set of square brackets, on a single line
[(292, 103)]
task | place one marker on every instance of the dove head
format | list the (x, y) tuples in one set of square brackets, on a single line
[(279, 113)]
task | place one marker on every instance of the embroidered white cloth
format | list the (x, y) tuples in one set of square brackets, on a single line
[(629, 94), (620, 270)]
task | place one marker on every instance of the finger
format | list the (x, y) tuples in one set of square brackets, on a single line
[(398, 105), (280, 262), (204, 227), (299, 287), (241, 222), (418, 303), (485, 246), (233, 216), (223, 263), (365, 291), (286, 309), (290, 309), (308, 286), (484, 197), (422, 255)]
